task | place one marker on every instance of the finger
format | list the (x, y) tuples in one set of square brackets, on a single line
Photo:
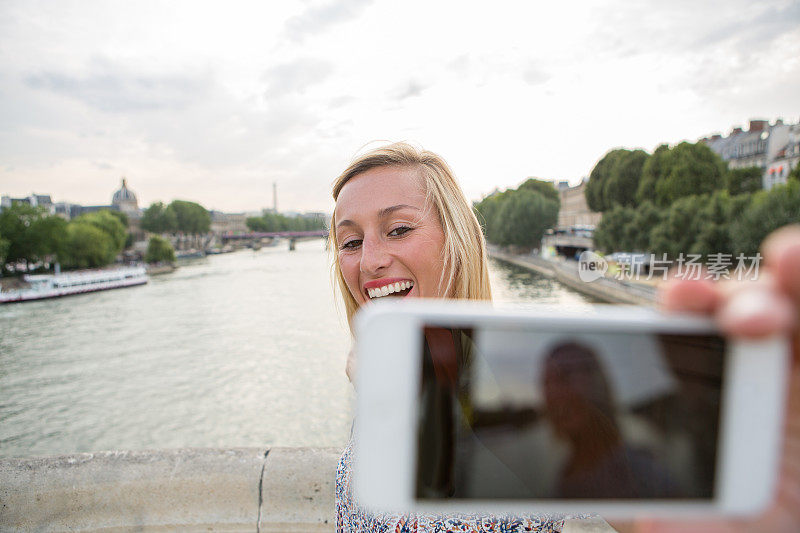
[(782, 256), (756, 311), (689, 295)]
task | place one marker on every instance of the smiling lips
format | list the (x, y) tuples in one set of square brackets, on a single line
[(383, 287)]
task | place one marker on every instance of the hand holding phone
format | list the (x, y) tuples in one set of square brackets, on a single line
[(470, 409)]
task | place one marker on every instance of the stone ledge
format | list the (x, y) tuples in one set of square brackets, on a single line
[(171, 490)]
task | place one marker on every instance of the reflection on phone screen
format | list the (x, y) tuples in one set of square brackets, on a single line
[(518, 414)]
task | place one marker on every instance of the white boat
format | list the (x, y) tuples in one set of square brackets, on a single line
[(44, 286)]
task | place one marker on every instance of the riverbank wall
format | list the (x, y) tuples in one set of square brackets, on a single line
[(286, 490), (261, 490), (607, 290)]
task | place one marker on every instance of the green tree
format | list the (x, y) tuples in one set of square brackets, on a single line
[(626, 174), (600, 175), (484, 210), (678, 229), (637, 234), (795, 173), (688, 169), (256, 224), (159, 218), (192, 218), (488, 211), (613, 233), (49, 233), (4, 246), (615, 179), (88, 246), (105, 221), (766, 212), (16, 222), (545, 188), (525, 215), (653, 171), (159, 250), (743, 180), (121, 216), (714, 219), (270, 222)]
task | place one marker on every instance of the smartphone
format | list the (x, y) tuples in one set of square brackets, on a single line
[(619, 411)]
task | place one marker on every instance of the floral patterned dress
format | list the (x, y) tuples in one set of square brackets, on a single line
[(352, 518)]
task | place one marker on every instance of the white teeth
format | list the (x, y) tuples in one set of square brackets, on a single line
[(378, 292)]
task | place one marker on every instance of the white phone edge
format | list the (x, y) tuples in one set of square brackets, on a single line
[(388, 373)]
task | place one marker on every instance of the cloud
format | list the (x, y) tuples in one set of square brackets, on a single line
[(533, 75), (296, 77), (413, 89), (113, 89), (341, 101), (316, 19), (766, 23)]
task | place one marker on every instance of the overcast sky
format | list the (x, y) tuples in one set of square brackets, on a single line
[(215, 101)]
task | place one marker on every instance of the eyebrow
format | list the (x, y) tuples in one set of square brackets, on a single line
[(382, 213)]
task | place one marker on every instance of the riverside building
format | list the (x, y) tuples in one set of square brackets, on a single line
[(773, 148)]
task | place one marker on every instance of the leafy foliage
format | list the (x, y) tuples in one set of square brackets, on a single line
[(615, 179), (613, 234), (653, 171), (107, 222), (520, 216), (795, 173), (768, 211), (525, 215), (743, 180), (676, 232), (5, 244), (159, 219), (686, 201), (646, 217), (121, 216), (688, 169), (159, 250), (30, 235), (88, 246), (545, 188), (180, 216), (271, 222), (192, 218)]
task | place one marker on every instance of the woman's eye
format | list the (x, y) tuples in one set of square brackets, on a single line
[(396, 232), (351, 244)]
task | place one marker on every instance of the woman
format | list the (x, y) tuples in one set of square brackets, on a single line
[(402, 228)]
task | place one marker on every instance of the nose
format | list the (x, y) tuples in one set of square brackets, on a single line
[(374, 256)]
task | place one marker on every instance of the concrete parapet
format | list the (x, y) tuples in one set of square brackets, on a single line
[(298, 490), (239, 489)]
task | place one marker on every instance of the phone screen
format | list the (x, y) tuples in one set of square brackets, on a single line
[(524, 414)]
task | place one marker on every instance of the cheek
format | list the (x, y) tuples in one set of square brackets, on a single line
[(349, 266)]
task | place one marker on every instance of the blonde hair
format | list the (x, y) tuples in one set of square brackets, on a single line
[(465, 274)]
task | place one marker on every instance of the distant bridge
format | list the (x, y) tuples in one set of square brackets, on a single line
[(274, 234), (291, 236)]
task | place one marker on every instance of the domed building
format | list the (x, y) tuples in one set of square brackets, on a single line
[(125, 201)]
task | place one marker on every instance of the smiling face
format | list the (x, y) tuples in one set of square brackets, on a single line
[(390, 241)]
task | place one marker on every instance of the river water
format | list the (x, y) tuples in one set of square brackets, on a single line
[(242, 349)]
